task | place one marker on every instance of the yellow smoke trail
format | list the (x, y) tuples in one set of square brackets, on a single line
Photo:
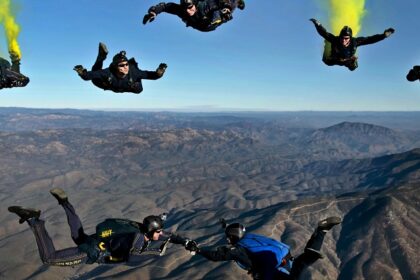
[(12, 29), (346, 12), (342, 13)]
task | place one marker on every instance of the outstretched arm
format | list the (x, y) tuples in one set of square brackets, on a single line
[(170, 237), (360, 41), (173, 238), (151, 75), (322, 31), (90, 75), (226, 253), (170, 8)]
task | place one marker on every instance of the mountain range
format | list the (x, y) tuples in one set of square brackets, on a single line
[(276, 176)]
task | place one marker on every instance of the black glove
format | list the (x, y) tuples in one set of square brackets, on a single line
[(149, 17), (191, 246), (389, 31), (316, 22), (161, 69), (79, 69)]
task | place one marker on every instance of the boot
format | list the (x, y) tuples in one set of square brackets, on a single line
[(25, 213), (60, 195), (102, 52), (328, 223)]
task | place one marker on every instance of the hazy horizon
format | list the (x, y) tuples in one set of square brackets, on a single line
[(216, 110)]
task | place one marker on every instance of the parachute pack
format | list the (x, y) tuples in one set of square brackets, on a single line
[(95, 246), (110, 228), (255, 243)]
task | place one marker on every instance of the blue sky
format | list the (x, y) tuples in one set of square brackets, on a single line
[(267, 58)]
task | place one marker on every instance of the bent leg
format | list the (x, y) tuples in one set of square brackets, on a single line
[(99, 63), (47, 252), (316, 240), (77, 233), (98, 66), (102, 54), (310, 255), (313, 247)]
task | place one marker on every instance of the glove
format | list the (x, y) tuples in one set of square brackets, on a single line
[(389, 31), (161, 69), (191, 246), (163, 66), (79, 69), (316, 22), (149, 17)]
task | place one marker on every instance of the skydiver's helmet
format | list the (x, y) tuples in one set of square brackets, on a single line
[(151, 224), (186, 4), (346, 31), (118, 58), (234, 232)]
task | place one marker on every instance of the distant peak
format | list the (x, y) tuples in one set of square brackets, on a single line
[(349, 127)]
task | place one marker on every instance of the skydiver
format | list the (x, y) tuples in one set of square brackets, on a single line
[(115, 240), (203, 15), (10, 75), (122, 75), (344, 46), (263, 257), (414, 74)]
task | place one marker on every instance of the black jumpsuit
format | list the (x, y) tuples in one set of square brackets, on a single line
[(341, 55), (107, 80), (207, 18), (124, 248)]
